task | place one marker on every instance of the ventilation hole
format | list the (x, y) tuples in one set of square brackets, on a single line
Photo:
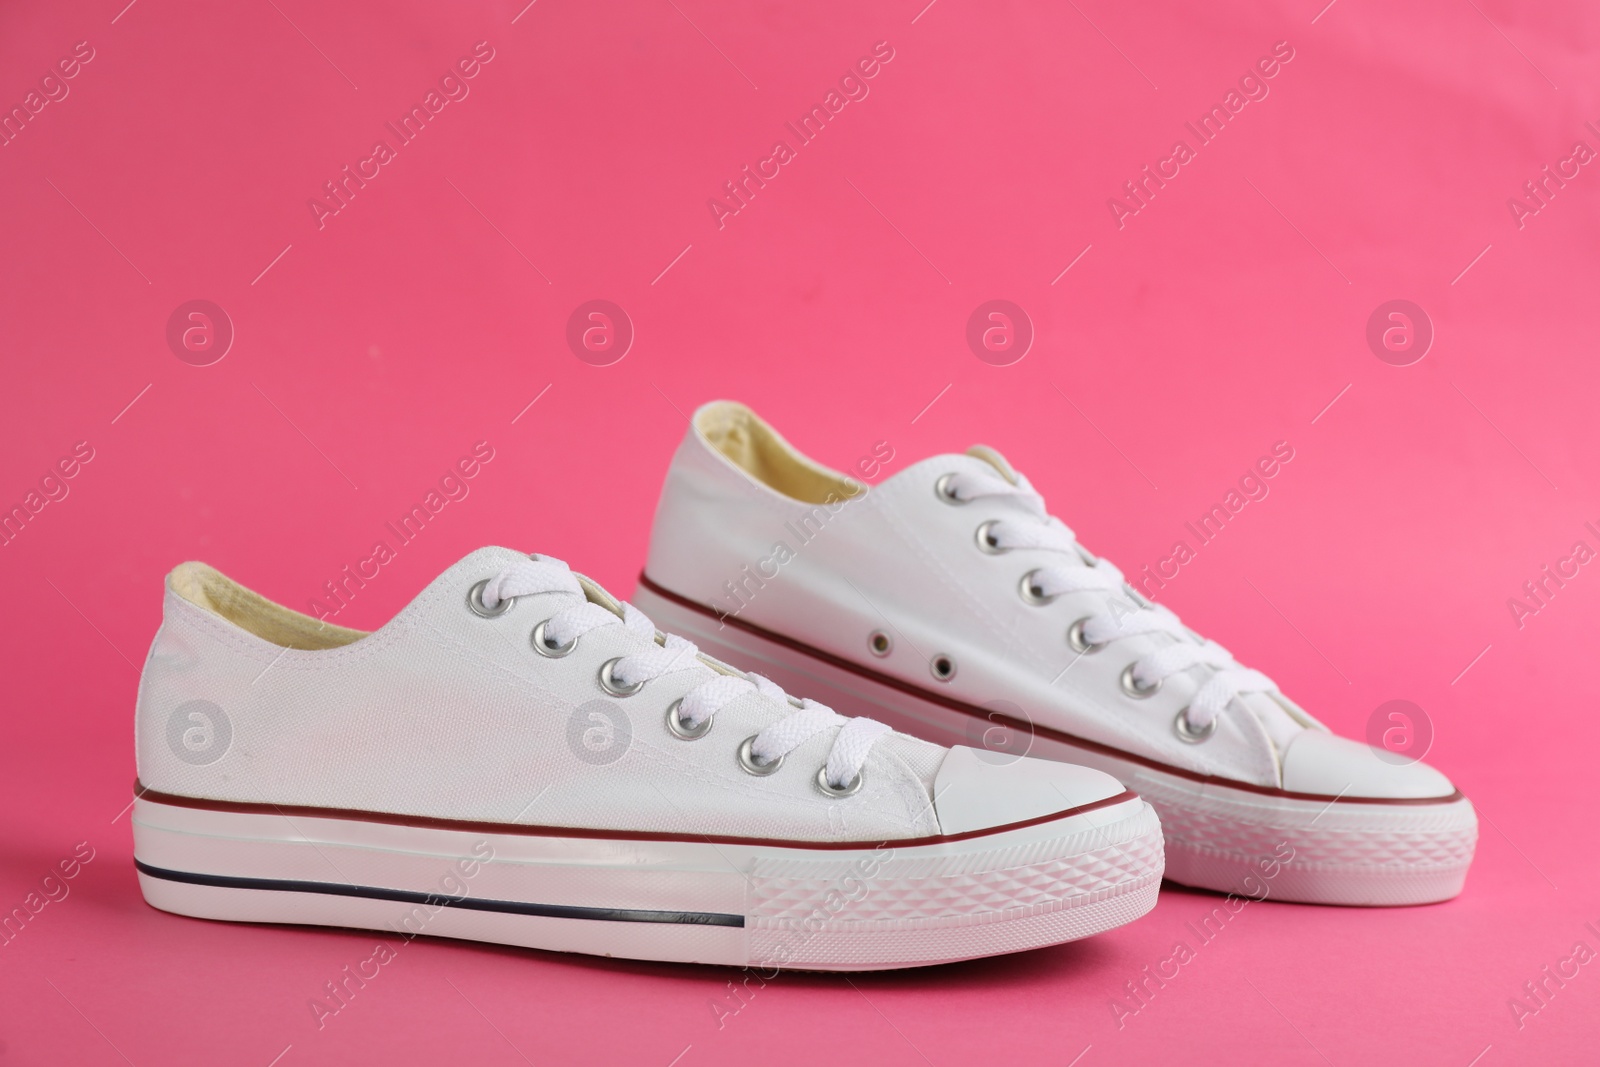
[(943, 667), (878, 642)]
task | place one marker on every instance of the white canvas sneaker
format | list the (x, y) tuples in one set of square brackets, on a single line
[(517, 757), (947, 602)]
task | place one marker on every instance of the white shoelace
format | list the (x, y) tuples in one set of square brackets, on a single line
[(1078, 572), (528, 577)]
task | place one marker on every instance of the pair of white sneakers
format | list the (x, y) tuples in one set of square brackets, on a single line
[(519, 757)]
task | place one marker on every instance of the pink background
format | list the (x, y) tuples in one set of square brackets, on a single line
[(1223, 317)]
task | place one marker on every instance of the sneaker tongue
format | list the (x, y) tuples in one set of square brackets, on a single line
[(1278, 723), (997, 461), (595, 593)]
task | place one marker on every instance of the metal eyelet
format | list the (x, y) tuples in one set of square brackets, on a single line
[(1188, 733), (985, 538), (475, 602), (849, 790), (747, 760), (676, 724), (879, 643), (609, 683), (1077, 642), (942, 666), (1030, 591), (545, 648), (1131, 686), (941, 489)]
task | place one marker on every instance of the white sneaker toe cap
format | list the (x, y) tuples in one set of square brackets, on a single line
[(981, 790), (1329, 765)]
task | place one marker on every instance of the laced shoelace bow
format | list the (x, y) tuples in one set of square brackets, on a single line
[(1077, 572), (559, 633)]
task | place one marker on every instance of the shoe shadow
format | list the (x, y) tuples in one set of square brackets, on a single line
[(1052, 963)]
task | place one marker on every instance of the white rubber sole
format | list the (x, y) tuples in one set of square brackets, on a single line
[(1219, 837), (754, 905)]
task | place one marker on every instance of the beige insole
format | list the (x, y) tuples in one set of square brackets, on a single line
[(209, 588)]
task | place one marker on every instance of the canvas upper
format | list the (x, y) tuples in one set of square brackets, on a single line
[(755, 531), (445, 713)]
